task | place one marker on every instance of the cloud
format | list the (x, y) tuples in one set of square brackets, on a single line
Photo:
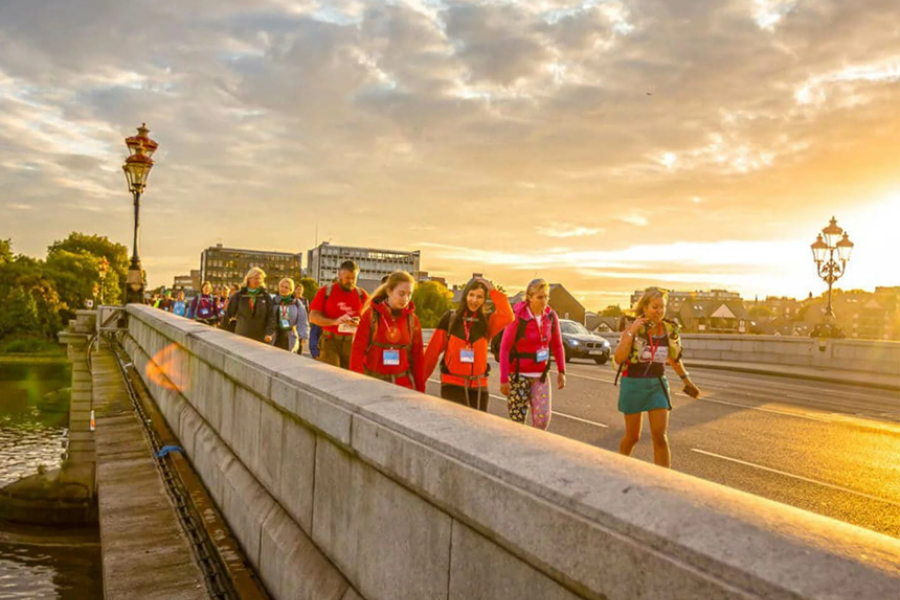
[(565, 230), (478, 123)]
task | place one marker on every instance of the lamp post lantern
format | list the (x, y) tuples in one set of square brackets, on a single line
[(137, 170), (832, 239)]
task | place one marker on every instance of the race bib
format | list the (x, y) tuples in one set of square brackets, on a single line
[(391, 358), (285, 324), (203, 312), (346, 328), (662, 354), (467, 356), (542, 355)]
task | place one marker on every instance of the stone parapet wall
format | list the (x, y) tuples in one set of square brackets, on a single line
[(344, 487), (851, 355)]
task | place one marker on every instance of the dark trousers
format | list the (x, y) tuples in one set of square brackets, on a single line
[(473, 397), (335, 349)]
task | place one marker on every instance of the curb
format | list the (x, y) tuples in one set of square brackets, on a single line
[(806, 376)]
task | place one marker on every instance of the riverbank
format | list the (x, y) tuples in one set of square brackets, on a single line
[(40, 359)]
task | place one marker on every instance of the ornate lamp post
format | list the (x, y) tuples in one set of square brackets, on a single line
[(832, 239), (137, 170)]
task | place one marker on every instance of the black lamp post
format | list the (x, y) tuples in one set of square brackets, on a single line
[(137, 170), (832, 239)]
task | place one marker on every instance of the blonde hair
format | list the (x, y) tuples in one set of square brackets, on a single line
[(649, 295), (290, 282), (394, 279), (254, 271), (535, 285)]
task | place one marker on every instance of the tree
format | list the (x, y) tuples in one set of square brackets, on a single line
[(761, 312), (432, 300), (19, 314), (310, 287), (613, 310), (6, 254), (74, 275), (99, 246)]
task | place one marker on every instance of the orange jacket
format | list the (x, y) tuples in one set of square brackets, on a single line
[(453, 370), (390, 333)]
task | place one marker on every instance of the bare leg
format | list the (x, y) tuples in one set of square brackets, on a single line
[(659, 428), (632, 433)]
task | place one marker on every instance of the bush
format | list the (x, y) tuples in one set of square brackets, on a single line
[(29, 346)]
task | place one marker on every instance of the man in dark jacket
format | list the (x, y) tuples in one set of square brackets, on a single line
[(250, 309)]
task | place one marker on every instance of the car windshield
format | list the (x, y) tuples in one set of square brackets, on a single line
[(574, 328)]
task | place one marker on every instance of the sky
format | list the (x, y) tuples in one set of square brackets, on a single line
[(606, 145)]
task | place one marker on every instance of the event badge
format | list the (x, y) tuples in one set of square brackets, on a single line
[(346, 328), (662, 354), (542, 355), (646, 355), (285, 324), (467, 355), (391, 358)]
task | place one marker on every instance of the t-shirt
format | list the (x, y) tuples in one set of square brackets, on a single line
[(340, 302), (651, 360)]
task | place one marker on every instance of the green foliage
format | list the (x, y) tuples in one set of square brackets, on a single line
[(19, 314), (760, 312), (432, 300), (99, 246), (6, 254), (310, 287), (613, 310), (74, 274), (30, 345)]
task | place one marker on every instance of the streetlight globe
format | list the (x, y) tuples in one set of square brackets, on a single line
[(844, 248), (819, 249), (832, 233)]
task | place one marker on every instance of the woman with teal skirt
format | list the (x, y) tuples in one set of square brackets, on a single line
[(646, 346)]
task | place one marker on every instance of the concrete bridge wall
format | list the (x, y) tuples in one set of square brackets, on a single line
[(853, 355), (343, 487)]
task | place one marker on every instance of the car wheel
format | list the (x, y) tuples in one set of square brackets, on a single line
[(601, 360)]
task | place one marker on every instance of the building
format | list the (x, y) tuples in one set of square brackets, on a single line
[(323, 261), (676, 299), (184, 283), (859, 314), (564, 303), (227, 266)]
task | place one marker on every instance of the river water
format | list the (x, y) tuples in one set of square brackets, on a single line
[(40, 562)]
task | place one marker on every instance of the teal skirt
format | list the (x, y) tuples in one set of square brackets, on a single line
[(642, 394)]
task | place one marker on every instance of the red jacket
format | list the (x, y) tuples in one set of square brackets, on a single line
[(390, 333), (531, 342)]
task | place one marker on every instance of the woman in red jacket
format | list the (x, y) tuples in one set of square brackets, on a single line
[(525, 352), (388, 343), (463, 337)]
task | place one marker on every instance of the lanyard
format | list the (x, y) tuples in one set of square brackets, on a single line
[(391, 329), (467, 327), (653, 348), (544, 318), (284, 310)]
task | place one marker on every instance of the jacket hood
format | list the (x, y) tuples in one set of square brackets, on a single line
[(521, 311), (383, 309)]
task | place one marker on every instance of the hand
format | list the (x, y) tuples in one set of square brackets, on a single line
[(560, 380), (504, 389), (344, 318), (637, 325), (691, 390), (268, 339)]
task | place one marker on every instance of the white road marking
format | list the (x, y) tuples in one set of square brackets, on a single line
[(768, 410), (555, 412), (799, 477)]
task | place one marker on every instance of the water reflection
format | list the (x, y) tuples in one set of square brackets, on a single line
[(40, 562)]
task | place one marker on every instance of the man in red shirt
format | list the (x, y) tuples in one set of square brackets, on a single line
[(336, 309)]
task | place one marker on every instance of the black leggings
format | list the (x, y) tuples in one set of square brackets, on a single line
[(475, 398)]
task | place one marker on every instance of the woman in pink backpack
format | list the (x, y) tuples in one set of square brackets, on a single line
[(528, 343)]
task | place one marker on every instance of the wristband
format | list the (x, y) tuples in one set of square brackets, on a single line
[(685, 376)]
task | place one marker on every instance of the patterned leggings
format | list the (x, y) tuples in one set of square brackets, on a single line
[(525, 392)]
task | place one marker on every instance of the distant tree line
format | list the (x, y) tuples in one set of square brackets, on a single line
[(37, 297)]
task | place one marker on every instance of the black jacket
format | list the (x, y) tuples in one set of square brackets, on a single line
[(255, 324)]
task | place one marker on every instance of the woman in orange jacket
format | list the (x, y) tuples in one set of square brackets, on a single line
[(463, 338), (388, 342)]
